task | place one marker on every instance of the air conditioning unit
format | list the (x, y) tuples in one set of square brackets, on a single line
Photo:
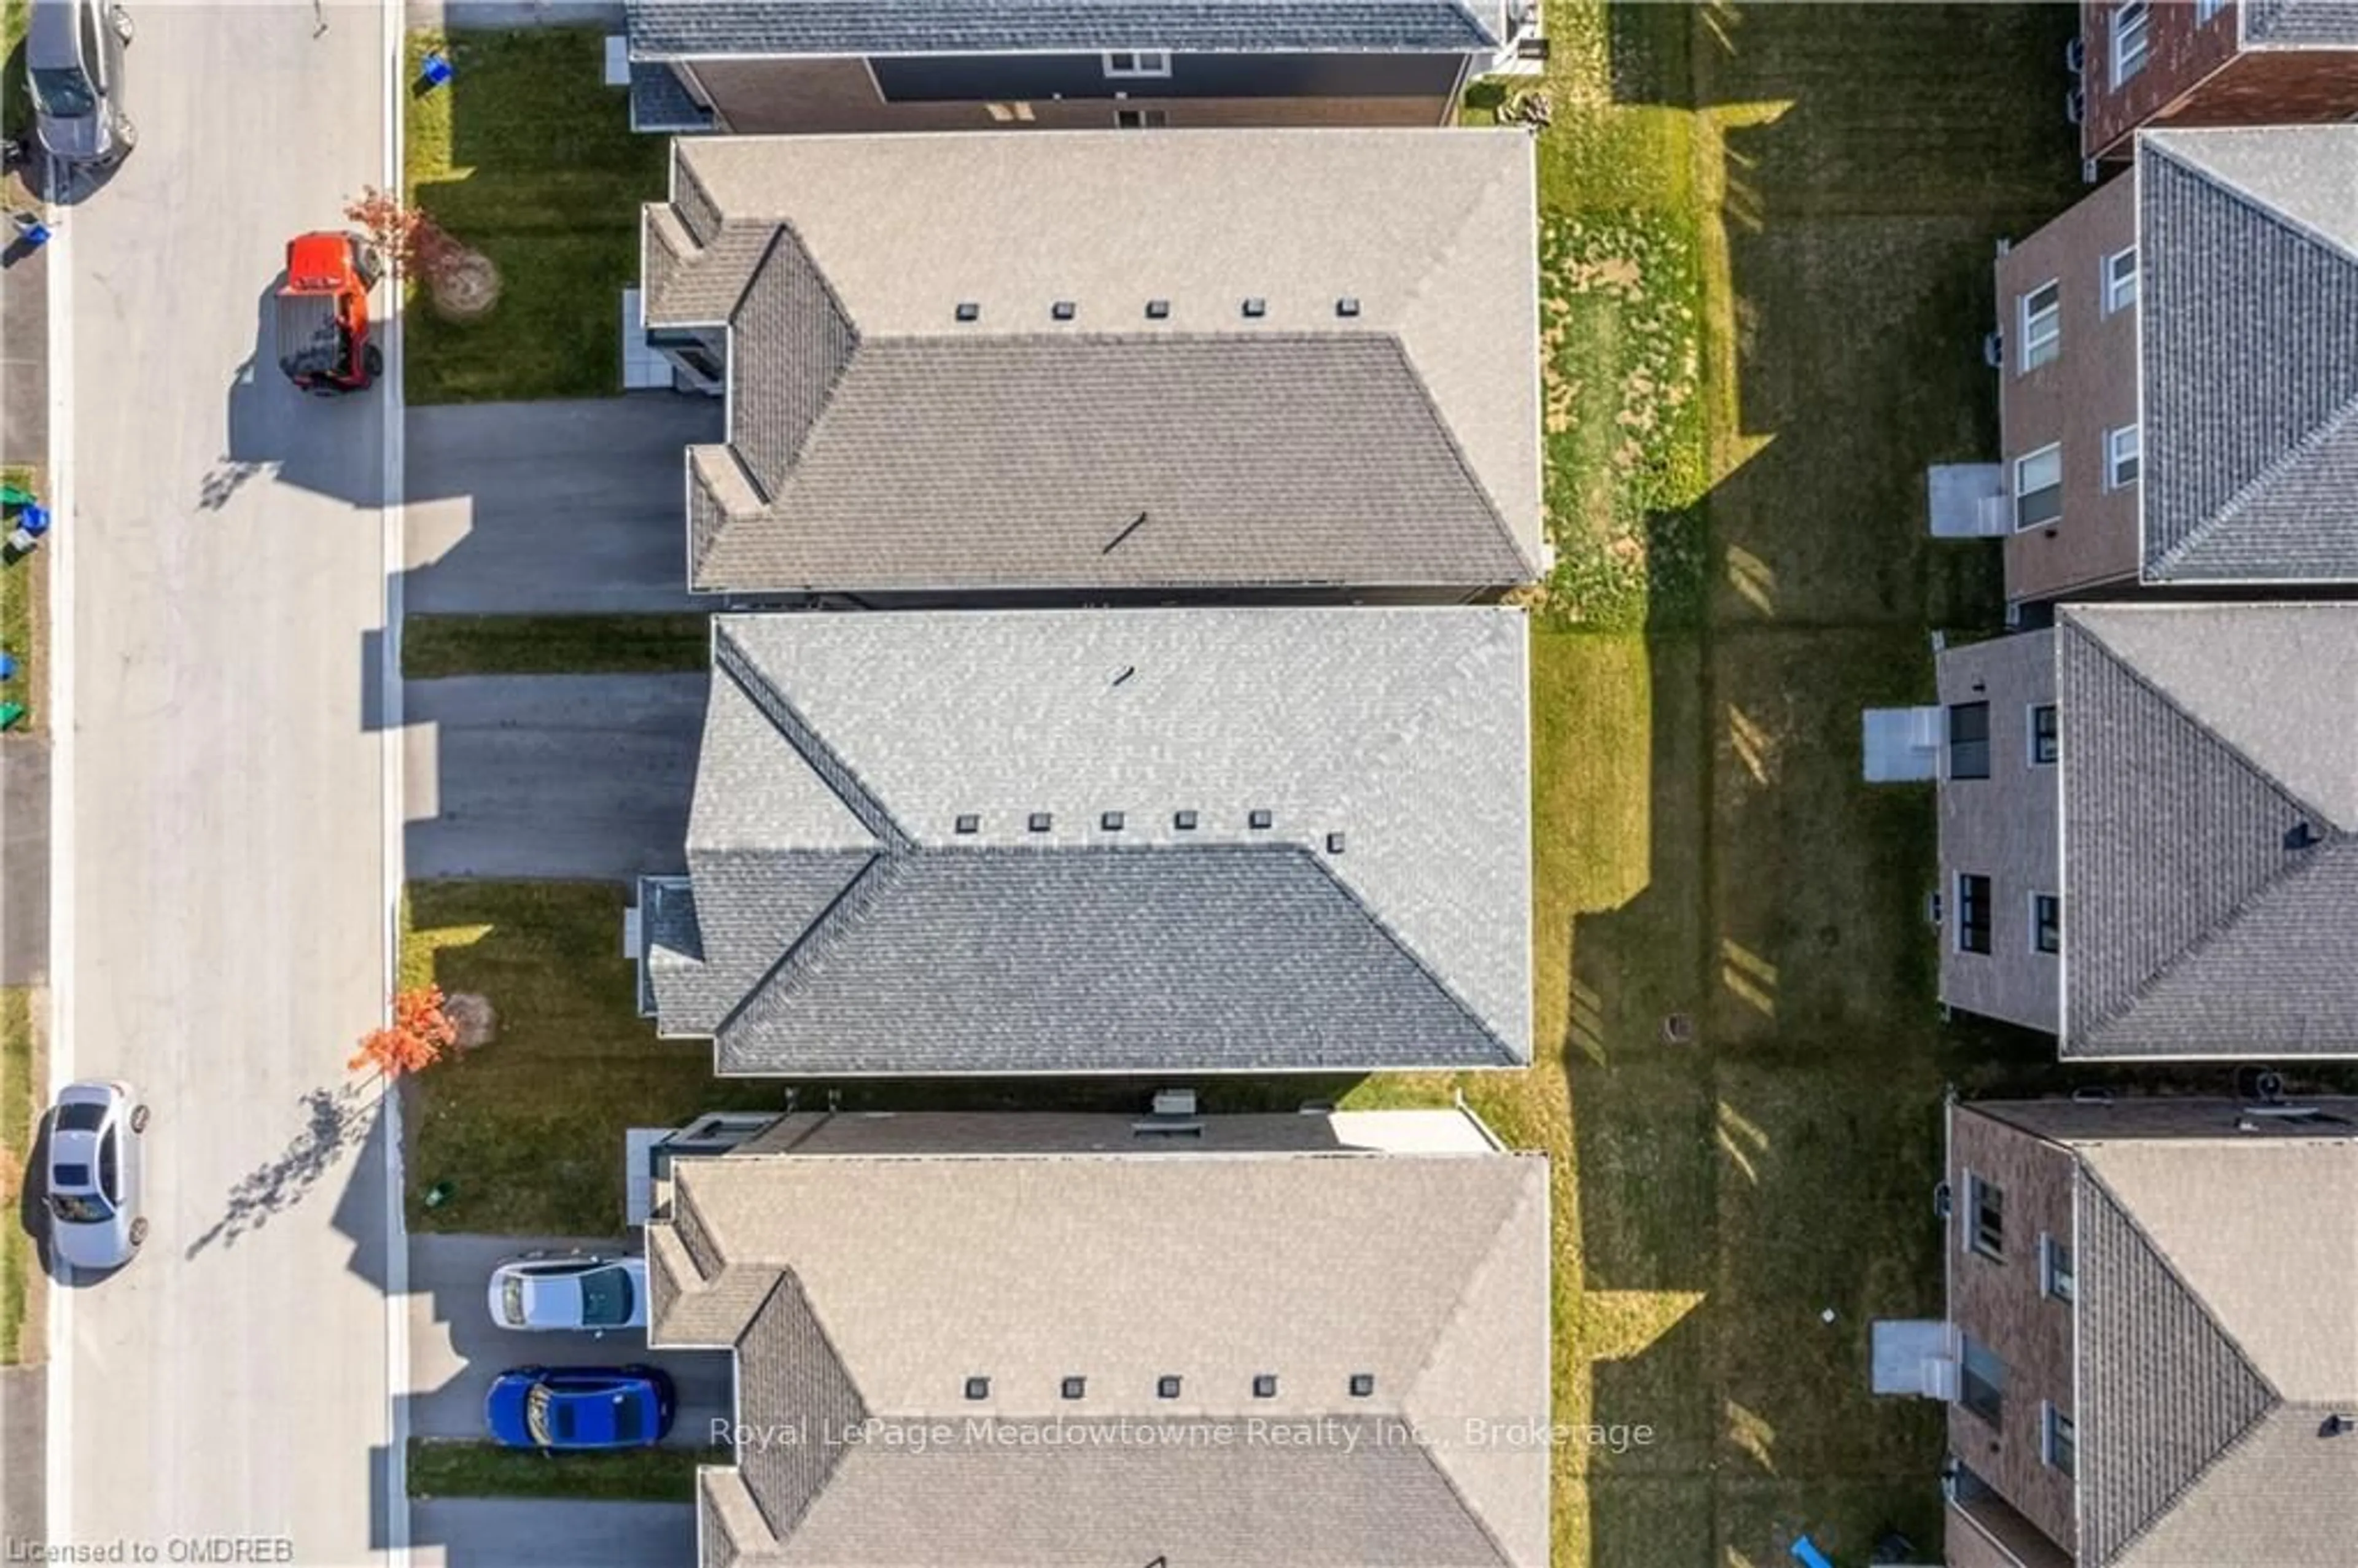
[(1994, 350), (2075, 56), (2075, 105), (2090, 171), (1933, 909), (1173, 1102)]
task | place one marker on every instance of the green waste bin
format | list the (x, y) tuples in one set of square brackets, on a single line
[(11, 496), (11, 715)]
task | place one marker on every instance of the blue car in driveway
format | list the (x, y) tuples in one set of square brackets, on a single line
[(580, 1406)]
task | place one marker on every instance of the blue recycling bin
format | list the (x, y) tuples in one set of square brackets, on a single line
[(34, 519), (438, 70), (7, 667)]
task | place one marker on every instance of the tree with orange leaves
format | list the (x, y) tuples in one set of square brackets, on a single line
[(416, 1037)]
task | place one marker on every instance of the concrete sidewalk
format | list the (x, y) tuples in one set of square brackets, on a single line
[(23, 1426)]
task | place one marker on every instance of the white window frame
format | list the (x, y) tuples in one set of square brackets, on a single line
[(2036, 949), (2050, 1420), (2030, 713), (2049, 1273), (2054, 449), (2040, 347), (2132, 21), (1976, 1185), (1148, 118), (2120, 291), (2123, 445), (1139, 64)]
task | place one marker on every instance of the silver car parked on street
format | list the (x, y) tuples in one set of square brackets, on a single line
[(73, 60), (96, 1135)]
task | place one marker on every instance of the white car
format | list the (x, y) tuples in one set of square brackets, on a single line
[(582, 1290), (96, 1138)]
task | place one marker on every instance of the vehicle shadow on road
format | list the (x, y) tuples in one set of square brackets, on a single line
[(330, 445), (335, 1121)]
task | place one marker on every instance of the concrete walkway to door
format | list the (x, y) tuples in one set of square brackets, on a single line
[(552, 508)]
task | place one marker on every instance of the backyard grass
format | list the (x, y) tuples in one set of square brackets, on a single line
[(1766, 234), (526, 156), (22, 582), (440, 1467), (19, 1108), (436, 645)]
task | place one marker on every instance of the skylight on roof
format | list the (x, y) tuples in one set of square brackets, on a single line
[(1265, 1385), (1074, 1388), (1363, 1385), (1183, 820), (1064, 310), (1260, 819), (969, 823), (1110, 822), (1256, 308), (1041, 822), (969, 310), (1347, 305), (1166, 1387), (978, 1388), (1158, 309)]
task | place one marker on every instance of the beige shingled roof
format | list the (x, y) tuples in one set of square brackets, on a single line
[(889, 1282), (883, 443)]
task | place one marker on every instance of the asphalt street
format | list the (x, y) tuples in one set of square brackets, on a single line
[(545, 508), (454, 1349), (222, 925), (572, 776), (462, 1533)]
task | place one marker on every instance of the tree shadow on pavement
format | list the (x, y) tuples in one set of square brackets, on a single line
[(335, 1121)]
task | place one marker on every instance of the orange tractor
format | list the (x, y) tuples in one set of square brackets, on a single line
[(324, 314)]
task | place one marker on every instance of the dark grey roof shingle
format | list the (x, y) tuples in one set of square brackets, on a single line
[(2209, 862), (846, 925), (2249, 298), (686, 28), (2163, 1392), (2306, 24)]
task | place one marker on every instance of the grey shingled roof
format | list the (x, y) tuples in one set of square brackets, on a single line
[(686, 29), (842, 924), (2301, 23), (878, 443), (2249, 302), (2217, 1331), (2198, 738), (889, 1281)]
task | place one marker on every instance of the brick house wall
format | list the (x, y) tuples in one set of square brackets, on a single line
[(2077, 399), (2001, 1304), (2197, 72)]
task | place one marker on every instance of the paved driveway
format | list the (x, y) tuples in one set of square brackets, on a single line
[(472, 1533), (574, 776), (549, 508), (455, 1350)]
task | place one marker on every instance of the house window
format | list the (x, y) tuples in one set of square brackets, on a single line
[(1969, 748), (1138, 62), (2057, 1442), (2038, 488), (1009, 113), (2120, 280), (2042, 325), (2055, 1269), (1982, 1389), (1973, 913), (2120, 453), (2129, 23), (2206, 9), (1985, 1214), (2046, 922), (2045, 745), (1141, 119)]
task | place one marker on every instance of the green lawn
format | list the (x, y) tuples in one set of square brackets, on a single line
[(438, 646), (21, 586), (19, 1107), (1767, 236), (440, 1467), (526, 156)]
